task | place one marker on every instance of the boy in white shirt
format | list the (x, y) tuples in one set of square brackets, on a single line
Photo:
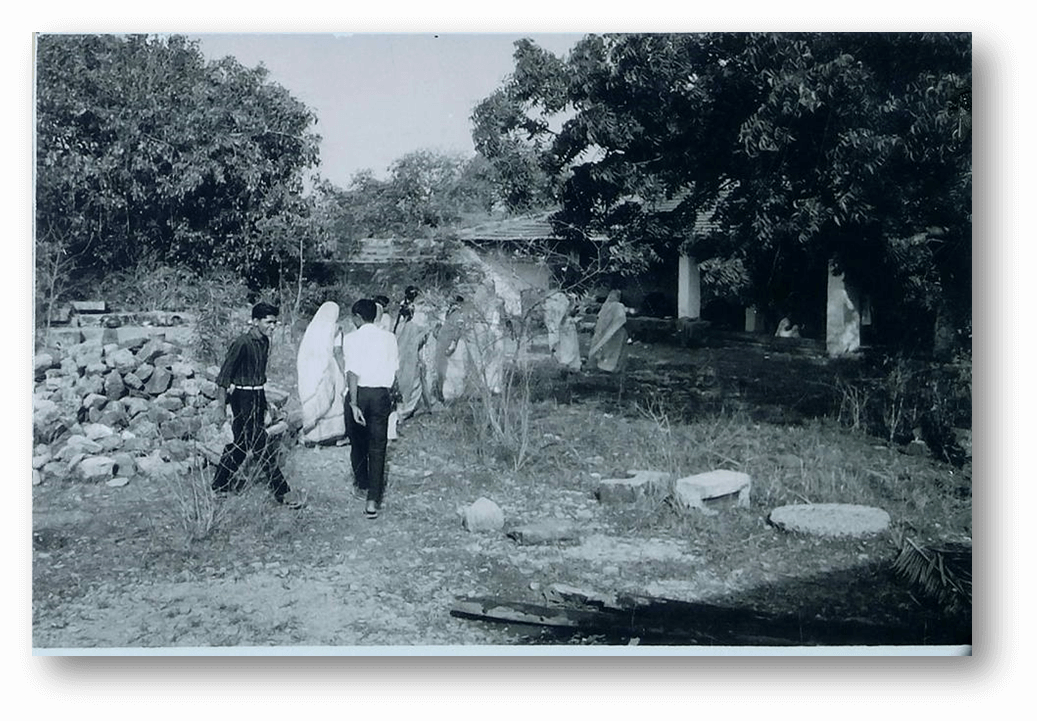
[(371, 359)]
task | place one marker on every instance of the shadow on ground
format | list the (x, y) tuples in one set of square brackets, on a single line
[(826, 613)]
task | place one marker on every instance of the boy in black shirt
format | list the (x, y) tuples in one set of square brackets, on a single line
[(241, 380)]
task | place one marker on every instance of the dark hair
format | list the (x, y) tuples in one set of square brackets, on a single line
[(381, 300), (262, 310), (411, 292), (365, 308)]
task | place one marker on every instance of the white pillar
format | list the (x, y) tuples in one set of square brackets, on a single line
[(753, 321), (689, 289), (843, 327)]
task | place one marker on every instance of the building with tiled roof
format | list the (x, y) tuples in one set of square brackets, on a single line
[(387, 251), (535, 227)]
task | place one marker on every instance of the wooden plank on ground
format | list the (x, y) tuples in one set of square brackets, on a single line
[(685, 623)]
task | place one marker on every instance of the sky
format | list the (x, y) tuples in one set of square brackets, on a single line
[(379, 96)]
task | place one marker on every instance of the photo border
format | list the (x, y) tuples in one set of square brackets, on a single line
[(967, 685)]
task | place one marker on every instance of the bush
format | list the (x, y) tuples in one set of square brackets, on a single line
[(900, 398), (144, 289), (194, 505), (215, 325)]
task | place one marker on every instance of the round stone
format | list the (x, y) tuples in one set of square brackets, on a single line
[(831, 520)]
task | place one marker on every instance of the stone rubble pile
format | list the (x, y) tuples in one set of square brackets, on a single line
[(108, 408)]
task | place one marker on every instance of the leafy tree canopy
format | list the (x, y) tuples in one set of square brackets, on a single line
[(804, 147), (147, 153), (427, 193)]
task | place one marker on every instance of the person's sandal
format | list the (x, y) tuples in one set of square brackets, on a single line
[(370, 514), (290, 503)]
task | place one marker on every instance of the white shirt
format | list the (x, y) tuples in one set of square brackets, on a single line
[(371, 353)]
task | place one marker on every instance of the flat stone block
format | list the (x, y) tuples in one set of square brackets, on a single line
[(629, 490)]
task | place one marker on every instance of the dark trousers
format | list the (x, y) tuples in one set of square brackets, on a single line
[(367, 443), (248, 410)]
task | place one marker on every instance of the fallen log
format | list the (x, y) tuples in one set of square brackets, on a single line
[(685, 623)]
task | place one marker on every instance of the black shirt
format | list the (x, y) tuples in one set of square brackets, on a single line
[(245, 364)]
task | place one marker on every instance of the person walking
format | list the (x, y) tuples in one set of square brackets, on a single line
[(452, 353), (382, 319), (370, 361), (321, 383), (410, 295), (412, 333), (241, 382)]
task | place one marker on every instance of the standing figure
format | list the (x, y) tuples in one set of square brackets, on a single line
[(452, 353), (412, 333), (241, 381), (556, 306), (608, 346), (370, 359), (410, 295), (567, 351), (382, 319), (321, 382)]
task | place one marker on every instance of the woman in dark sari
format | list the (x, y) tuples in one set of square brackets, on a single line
[(608, 346)]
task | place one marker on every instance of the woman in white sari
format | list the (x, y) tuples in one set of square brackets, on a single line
[(567, 350), (556, 306), (321, 383)]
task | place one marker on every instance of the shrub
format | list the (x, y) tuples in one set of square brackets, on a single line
[(194, 505), (219, 317), (899, 398), (142, 289)]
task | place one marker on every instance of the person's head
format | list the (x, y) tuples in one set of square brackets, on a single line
[(613, 296), (381, 303), (364, 310), (264, 317), (411, 292)]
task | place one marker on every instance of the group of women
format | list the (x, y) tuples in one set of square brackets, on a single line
[(442, 355)]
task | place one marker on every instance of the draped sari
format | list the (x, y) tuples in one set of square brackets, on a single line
[(608, 346), (321, 383), (411, 337), (451, 367)]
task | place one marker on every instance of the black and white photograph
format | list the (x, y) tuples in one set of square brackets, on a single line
[(610, 343)]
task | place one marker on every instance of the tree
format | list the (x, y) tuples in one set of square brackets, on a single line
[(805, 147), (427, 194), (501, 135), (146, 153)]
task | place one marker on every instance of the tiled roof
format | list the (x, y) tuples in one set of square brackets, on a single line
[(375, 251), (526, 227), (705, 219), (538, 226)]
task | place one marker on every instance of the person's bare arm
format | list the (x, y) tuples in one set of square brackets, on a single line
[(358, 415)]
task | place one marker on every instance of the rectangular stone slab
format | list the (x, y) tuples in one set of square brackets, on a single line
[(693, 490)]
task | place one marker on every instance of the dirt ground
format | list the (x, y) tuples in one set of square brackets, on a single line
[(111, 568)]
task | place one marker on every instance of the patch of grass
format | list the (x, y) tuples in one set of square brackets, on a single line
[(194, 506)]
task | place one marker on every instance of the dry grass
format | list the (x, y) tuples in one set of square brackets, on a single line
[(820, 461)]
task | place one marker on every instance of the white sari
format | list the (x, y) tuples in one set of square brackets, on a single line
[(321, 383)]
